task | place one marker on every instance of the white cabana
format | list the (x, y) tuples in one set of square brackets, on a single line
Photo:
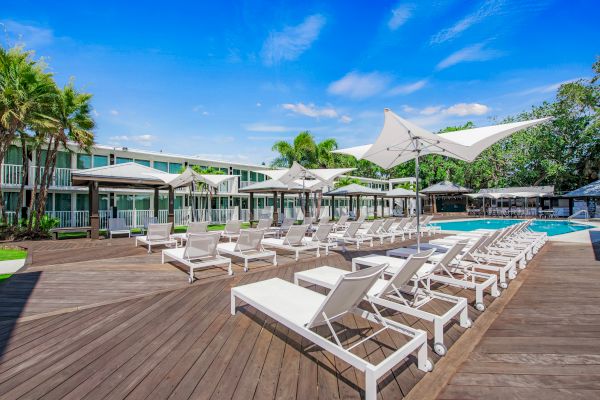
[(401, 140)]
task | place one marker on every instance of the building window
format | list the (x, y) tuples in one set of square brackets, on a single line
[(83, 201), (142, 201), (62, 201), (261, 177), (84, 161), (245, 175), (161, 166), (175, 168), (100, 161), (252, 176), (13, 156), (123, 160), (143, 162)]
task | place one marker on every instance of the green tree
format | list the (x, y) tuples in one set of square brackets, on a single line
[(346, 180)]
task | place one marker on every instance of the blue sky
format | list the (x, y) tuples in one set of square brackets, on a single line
[(226, 79)]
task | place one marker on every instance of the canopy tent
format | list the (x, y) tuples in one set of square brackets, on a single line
[(401, 192), (357, 190), (591, 190), (401, 140), (133, 175), (446, 187), (296, 179)]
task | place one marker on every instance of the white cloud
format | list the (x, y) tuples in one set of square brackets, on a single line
[(550, 88), (408, 88), (292, 41), (28, 35), (311, 110), (430, 110), (142, 140), (459, 109), (258, 105), (262, 127), (400, 15), (114, 112), (96, 113), (487, 9), (464, 109), (357, 86), (225, 157), (345, 119), (476, 52), (267, 138)]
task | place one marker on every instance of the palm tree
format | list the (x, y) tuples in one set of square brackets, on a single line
[(71, 117), (25, 90), (345, 181)]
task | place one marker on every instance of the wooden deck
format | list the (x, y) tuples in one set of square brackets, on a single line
[(183, 343), (546, 342), (180, 342)]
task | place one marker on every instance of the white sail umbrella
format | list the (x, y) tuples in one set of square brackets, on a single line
[(401, 140)]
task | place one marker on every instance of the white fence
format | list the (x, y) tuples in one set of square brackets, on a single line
[(11, 174)]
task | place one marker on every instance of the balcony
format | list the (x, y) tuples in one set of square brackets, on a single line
[(11, 175)]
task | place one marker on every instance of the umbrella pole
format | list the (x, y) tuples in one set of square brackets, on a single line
[(418, 202)]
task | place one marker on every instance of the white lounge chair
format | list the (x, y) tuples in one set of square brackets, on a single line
[(118, 226), (380, 229), (265, 225), (352, 235), (157, 235), (248, 247), (391, 294), (447, 270), (192, 228), (200, 252), (295, 241), (232, 229), (342, 223), (323, 238), (148, 221), (302, 310), (283, 228)]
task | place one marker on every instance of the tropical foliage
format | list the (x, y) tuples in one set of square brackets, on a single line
[(44, 118), (564, 152)]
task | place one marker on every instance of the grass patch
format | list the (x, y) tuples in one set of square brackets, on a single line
[(4, 277), (12, 254)]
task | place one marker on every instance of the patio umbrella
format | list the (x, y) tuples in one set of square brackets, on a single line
[(401, 140)]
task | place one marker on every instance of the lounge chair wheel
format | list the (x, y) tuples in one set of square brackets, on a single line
[(429, 365), (190, 280), (480, 306), (512, 275), (440, 349), (469, 323), (504, 285)]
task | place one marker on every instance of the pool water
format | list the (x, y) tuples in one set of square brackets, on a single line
[(551, 227)]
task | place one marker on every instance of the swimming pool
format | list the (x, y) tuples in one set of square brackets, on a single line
[(551, 227)]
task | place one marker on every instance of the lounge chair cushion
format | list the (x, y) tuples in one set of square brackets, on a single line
[(288, 301), (327, 276)]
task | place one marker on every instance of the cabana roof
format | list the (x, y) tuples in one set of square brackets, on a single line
[(523, 189), (445, 187), (355, 189), (136, 175), (591, 190), (275, 185), (401, 192)]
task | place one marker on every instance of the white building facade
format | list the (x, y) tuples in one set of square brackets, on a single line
[(70, 204)]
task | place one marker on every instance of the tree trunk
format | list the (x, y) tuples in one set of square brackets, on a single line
[(34, 189), (24, 176), (46, 179)]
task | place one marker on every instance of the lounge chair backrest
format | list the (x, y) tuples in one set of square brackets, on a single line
[(197, 227), (324, 219), (307, 221), (427, 220), (323, 232), (249, 240), (117, 224), (352, 229), (233, 227), (408, 270), (201, 245), (374, 228), (264, 223), (478, 246), (453, 252), (150, 220), (159, 231), (362, 217), (402, 224), (343, 219), (295, 235), (347, 293), (387, 225), (287, 222)]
